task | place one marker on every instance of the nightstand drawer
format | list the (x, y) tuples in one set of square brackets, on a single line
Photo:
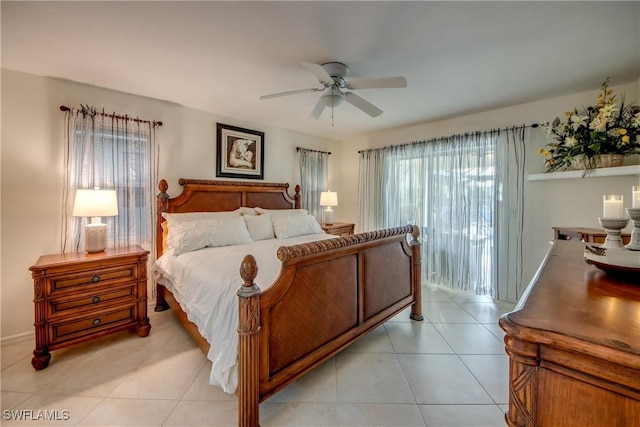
[(62, 331), (93, 301), (92, 278)]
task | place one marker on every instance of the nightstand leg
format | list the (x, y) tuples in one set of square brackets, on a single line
[(144, 328), (40, 359)]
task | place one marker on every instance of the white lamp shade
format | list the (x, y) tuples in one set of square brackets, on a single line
[(95, 203), (328, 198)]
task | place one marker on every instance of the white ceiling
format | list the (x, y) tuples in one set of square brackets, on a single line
[(458, 57)]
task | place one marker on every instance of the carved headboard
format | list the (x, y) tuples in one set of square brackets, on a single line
[(215, 196)]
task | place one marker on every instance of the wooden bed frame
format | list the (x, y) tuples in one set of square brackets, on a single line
[(328, 294)]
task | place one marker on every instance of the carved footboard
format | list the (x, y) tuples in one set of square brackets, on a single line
[(329, 294)]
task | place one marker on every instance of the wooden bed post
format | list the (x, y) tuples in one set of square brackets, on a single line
[(162, 202), (248, 345), (416, 308), (296, 197)]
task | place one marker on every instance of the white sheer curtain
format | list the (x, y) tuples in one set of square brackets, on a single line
[(314, 172), (466, 194), (111, 152)]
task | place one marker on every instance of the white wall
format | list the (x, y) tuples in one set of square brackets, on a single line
[(570, 202), (32, 168)]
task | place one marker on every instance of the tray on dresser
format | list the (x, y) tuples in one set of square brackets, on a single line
[(619, 262)]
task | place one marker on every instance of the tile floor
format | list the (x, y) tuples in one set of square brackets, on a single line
[(450, 370)]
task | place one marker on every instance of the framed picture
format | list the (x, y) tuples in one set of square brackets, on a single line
[(239, 152)]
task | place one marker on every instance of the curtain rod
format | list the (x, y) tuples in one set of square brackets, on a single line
[(116, 116), (316, 151), (534, 125)]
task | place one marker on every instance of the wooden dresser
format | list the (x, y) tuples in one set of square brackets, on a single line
[(587, 235), (339, 228), (574, 346), (80, 296)]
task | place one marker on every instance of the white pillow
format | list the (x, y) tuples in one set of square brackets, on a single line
[(293, 225), (262, 211), (197, 234), (259, 226), (177, 218)]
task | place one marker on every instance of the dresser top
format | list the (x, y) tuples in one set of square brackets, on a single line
[(571, 304), (52, 260)]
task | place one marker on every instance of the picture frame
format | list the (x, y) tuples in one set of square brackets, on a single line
[(239, 152)]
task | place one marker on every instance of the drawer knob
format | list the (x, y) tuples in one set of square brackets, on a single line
[(96, 299), (95, 279), (96, 322)]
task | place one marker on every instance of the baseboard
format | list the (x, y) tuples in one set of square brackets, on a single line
[(25, 336)]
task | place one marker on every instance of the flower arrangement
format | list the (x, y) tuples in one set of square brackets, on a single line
[(590, 132)]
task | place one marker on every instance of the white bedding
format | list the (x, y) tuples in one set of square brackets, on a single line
[(205, 283)]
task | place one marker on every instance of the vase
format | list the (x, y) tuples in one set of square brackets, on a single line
[(600, 161)]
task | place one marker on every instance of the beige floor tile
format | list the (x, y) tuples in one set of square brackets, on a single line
[(16, 352), (416, 337), (10, 399), (380, 415), (192, 413), (495, 329), (441, 379), (375, 341), (318, 386), (158, 380), (434, 293), (446, 312), (493, 373), (129, 412), (283, 414), (202, 390), (470, 338), (51, 410), (487, 312), (462, 415), (371, 378), (99, 374)]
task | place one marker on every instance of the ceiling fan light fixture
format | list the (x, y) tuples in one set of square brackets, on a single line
[(332, 99)]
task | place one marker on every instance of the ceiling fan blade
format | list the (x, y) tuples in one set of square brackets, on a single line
[(377, 83), (320, 72), (291, 92), (317, 110), (360, 103)]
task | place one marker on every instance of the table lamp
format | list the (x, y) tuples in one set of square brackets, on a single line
[(328, 199), (95, 204)]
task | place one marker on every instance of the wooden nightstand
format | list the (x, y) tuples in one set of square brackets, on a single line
[(80, 296), (338, 228)]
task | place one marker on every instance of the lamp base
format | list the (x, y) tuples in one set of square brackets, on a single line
[(95, 237), (328, 216)]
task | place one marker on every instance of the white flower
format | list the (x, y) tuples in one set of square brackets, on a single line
[(570, 141), (635, 120), (598, 124), (608, 110)]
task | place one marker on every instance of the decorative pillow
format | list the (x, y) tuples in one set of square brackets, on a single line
[(262, 211), (259, 226), (197, 234), (293, 225)]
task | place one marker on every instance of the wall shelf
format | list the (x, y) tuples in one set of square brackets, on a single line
[(596, 173)]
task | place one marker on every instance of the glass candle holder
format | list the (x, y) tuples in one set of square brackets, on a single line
[(613, 206), (635, 197)]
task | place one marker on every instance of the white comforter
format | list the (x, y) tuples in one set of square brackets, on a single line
[(205, 283)]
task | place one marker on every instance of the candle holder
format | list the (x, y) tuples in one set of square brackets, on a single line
[(613, 227), (634, 243)]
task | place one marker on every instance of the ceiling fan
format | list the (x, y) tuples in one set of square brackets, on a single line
[(333, 76)]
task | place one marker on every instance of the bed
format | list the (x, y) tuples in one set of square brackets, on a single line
[(327, 291)]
